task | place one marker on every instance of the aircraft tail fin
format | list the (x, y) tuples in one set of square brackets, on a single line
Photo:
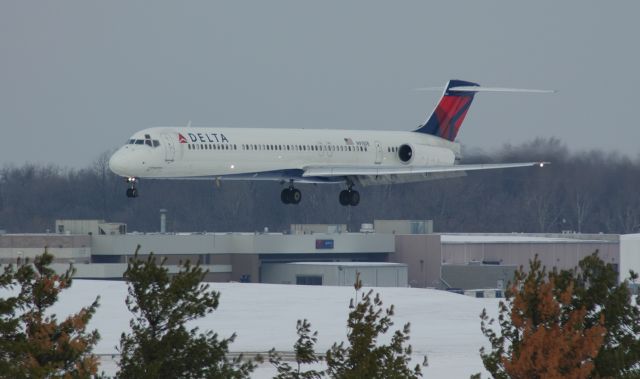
[(446, 119)]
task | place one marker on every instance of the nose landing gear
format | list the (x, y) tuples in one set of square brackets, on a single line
[(132, 191)]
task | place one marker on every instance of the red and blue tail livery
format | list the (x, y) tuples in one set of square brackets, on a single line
[(446, 119)]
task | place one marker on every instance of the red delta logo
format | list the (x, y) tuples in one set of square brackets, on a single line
[(181, 138)]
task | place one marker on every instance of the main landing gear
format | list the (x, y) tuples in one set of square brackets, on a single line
[(349, 197), (291, 195), (132, 191)]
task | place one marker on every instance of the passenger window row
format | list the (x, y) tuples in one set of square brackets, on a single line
[(212, 146), (302, 147), (222, 146)]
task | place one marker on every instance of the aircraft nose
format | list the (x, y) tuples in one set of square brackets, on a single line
[(117, 163)]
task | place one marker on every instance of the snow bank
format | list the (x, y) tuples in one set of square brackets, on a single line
[(444, 326)]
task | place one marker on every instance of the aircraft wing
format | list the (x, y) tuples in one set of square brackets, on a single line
[(330, 171)]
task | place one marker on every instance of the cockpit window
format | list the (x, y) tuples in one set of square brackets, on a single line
[(147, 141)]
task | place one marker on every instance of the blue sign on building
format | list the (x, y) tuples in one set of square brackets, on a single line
[(324, 244)]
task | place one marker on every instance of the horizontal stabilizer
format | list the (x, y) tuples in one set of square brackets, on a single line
[(487, 89), (499, 89)]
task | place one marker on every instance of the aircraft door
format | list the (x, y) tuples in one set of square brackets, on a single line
[(329, 151), (169, 147), (378, 152)]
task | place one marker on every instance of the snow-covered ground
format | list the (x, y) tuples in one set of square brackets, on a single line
[(444, 326)]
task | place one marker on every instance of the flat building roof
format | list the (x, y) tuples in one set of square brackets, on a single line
[(513, 238)]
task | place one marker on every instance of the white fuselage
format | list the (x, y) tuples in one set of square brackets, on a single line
[(253, 153)]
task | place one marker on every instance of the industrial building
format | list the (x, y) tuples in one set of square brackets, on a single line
[(385, 253), (489, 260)]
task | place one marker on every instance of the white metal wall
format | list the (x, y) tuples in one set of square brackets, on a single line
[(241, 243), (629, 254), (337, 275)]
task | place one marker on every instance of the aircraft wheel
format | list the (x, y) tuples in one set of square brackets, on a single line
[(296, 196), (285, 196), (132, 191), (355, 198), (345, 198)]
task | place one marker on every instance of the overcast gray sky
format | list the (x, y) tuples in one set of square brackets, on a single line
[(79, 77)]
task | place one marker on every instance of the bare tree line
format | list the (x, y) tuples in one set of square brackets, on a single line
[(589, 191)]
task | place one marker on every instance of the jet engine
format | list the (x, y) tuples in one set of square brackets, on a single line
[(405, 153), (425, 155)]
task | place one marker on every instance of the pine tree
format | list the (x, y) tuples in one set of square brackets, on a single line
[(160, 345), (33, 343), (364, 357), (541, 334), (596, 289), (304, 349), (11, 337)]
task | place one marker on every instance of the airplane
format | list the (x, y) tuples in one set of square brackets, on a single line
[(294, 156)]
